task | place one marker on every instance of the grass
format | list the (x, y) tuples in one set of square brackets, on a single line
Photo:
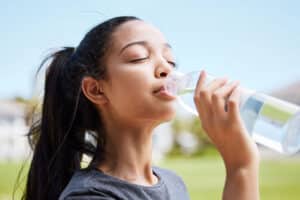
[(204, 177), (9, 172)]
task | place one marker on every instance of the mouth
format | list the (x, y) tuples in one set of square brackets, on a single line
[(163, 93), (161, 88)]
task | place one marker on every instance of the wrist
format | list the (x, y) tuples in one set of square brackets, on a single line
[(244, 156), (242, 168), (242, 183)]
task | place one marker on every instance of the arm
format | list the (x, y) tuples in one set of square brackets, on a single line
[(241, 183), (228, 133)]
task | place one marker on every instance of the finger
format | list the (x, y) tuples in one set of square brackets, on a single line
[(216, 84), (201, 82), (225, 91), (204, 91), (233, 103), (201, 99), (221, 95), (199, 96)]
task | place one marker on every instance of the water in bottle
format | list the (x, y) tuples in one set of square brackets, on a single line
[(271, 122)]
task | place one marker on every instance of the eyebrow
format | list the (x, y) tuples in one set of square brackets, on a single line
[(142, 43)]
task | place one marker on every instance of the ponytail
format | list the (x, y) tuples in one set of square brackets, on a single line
[(55, 138)]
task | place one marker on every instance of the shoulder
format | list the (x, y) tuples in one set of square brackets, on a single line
[(170, 178), (93, 184), (166, 173), (82, 186), (175, 184), (85, 197)]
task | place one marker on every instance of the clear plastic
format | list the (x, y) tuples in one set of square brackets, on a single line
[(271, 122)]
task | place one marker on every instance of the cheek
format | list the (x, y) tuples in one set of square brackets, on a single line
[(128, 94), (138, 103), (148, 107), (132, 97)]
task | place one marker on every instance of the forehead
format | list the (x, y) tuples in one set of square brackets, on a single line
[(137, 30)]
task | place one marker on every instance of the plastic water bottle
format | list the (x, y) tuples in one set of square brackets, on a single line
[(271, 122)]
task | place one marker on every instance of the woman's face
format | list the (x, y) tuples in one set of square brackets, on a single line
[(137, 64)]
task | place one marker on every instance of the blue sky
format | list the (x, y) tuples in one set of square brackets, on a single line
[(256, 42)]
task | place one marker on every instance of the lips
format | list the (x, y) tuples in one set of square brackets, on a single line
[(162, 88), (163, 93)]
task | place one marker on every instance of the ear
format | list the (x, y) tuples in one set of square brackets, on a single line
[(93, 90)]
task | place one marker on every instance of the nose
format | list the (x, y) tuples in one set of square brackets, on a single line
[(163, 69)]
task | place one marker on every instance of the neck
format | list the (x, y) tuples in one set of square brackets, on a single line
[(129, 154)]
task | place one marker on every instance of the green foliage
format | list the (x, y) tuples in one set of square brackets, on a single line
[(196, 128), (192, 125)]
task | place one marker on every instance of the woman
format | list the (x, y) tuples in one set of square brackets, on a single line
[(112, 85)]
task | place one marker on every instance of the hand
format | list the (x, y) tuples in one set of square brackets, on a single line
[(218, 106)]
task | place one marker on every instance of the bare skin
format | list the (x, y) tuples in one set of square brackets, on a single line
[(138, 63), (129, 108), (227, 131)]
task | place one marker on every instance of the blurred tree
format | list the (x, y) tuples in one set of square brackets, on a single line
[(196, 128), (31, 113), (32, 108), (192, 125)]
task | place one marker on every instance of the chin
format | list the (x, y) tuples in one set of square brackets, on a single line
[(166, 115), (160, 112)]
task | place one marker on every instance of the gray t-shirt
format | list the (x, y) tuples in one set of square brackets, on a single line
[(93, 184)]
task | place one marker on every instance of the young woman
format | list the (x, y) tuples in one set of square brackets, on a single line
[(112, 85)]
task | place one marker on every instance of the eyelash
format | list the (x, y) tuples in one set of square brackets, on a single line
[(138, 60), (141, 59), (173, 64)]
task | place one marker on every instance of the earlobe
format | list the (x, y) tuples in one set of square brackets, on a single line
[(93, 90)]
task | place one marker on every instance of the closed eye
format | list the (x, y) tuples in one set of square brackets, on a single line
[(173, 64), (138, 60)]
